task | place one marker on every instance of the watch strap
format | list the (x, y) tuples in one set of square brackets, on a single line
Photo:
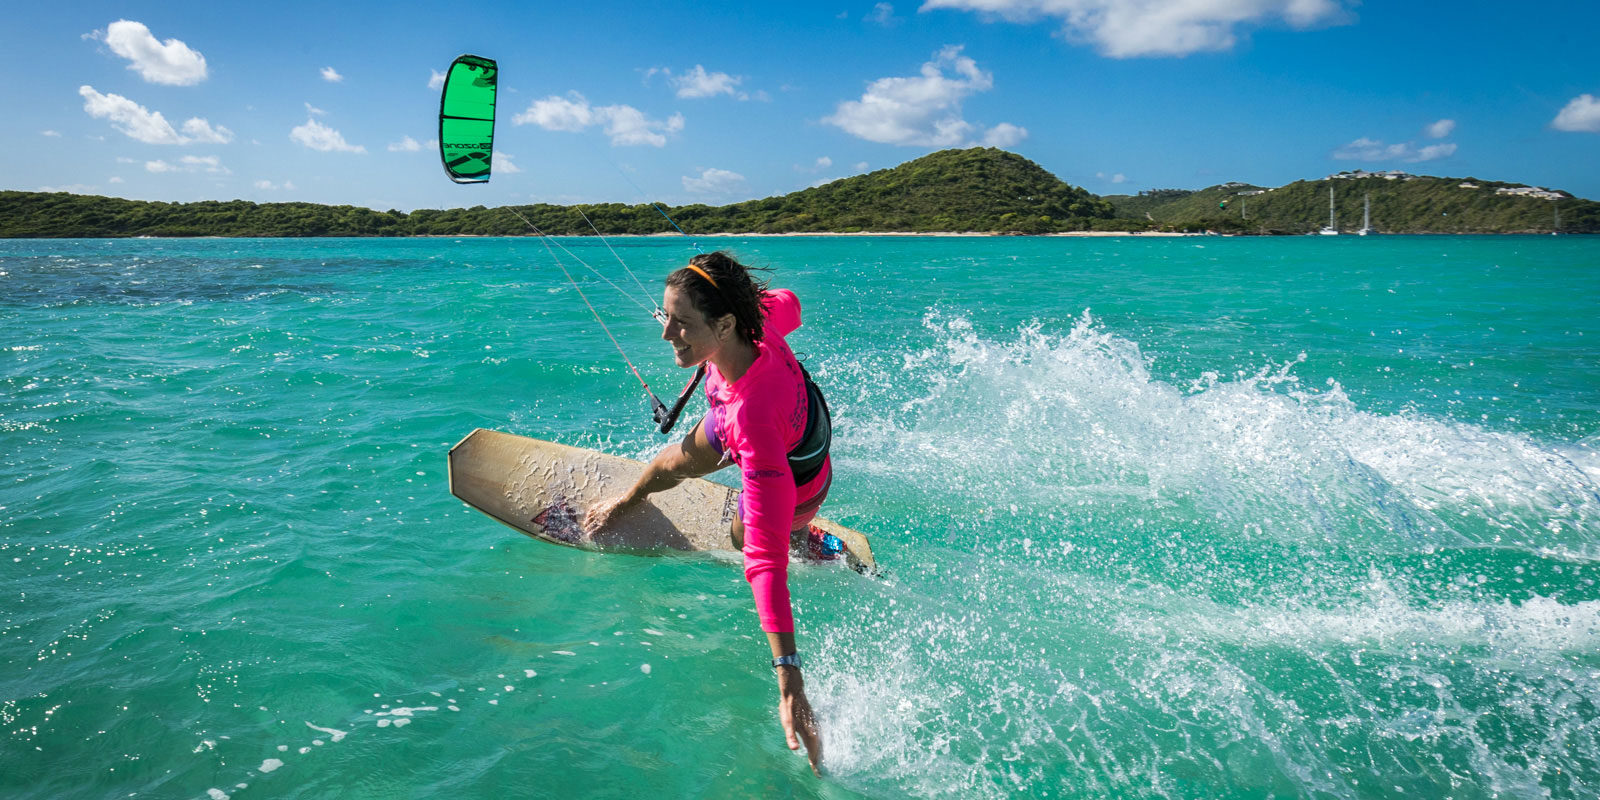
[(791, 660)]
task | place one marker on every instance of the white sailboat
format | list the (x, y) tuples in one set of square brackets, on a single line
[(1366, 218), (1332, 228)]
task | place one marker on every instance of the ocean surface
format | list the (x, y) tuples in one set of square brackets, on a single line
[(1177, 517)]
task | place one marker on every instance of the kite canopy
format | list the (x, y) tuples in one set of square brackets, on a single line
[(466, 119)]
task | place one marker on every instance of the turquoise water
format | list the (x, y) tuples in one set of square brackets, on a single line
[(1191, 517)]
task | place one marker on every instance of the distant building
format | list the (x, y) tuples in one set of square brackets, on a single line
[(1388, 175), (1530, 191), (1469, 185)]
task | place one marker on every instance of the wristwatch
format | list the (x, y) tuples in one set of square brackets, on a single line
[(791, 660)]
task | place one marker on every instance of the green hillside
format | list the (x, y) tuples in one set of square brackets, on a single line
[(980, 189), (1408, 204)]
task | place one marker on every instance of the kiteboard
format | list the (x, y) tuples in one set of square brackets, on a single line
[(543, 490)]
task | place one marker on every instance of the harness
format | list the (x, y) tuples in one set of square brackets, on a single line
[(808, 456)]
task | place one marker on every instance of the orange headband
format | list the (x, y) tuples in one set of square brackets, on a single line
[(702, 273)]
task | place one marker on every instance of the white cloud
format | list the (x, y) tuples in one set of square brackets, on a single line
[(861, 166), (502, 164), (1005, 135), (405, 145), (920, 111), (1582, 115), (819, 165), (714, 181), (1117, 178), (171, 62), (1130, 28), (625, 125), (148, 126), (1436, 151), (73, 188), (883, 14), (314, 111), (1441, 129), (317, 136), (699, 83), (210, 165), (435, 79), (198, 130), (115, 179), (287, 186), (571, 114), (51, 134), (331, 75), (1365, 149)]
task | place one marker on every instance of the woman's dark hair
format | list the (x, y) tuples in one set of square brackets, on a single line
[(736, 292)]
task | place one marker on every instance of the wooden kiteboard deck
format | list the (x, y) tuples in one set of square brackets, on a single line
[(543, 489)]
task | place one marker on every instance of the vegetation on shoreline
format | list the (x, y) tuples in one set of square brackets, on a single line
[(981, 190), (1409, 204)]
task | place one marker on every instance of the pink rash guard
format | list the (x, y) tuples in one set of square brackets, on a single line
[(757, 420)]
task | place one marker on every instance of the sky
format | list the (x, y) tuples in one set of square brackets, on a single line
[(717, 102)]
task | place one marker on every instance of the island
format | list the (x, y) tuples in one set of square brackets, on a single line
[(975, 190)]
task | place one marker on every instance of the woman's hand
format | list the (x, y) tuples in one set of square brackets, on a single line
[(799, 723), (604, 512)]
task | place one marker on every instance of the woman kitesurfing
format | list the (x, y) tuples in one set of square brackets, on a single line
[(766, 416)]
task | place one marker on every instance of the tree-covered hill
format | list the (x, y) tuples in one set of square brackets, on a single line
[(1400, 204), (980, 189)]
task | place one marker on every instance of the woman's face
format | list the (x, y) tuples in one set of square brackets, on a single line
[(694, 339)]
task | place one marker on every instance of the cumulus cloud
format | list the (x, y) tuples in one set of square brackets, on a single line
[(51, 134), (331, 75), (314, 111), (1117, 178), (436, 79), (822, 163), (625, 125), (270, 186), (1132, 28), (924, 110), (503, 164), (115, 179), (714, 181), (883, 14), (210, 165), (1366, 149), (698, 82), (1581, 115), (405, 145), (171, 62), (147, 126), (318, 136), (1004, 135), (1441, 129)]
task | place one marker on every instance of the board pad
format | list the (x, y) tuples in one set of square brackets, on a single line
[(543, 489)]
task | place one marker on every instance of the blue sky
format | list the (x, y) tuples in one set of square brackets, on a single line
[(719, 102)]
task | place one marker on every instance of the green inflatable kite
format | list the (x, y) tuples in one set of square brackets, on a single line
[(466, 119)]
